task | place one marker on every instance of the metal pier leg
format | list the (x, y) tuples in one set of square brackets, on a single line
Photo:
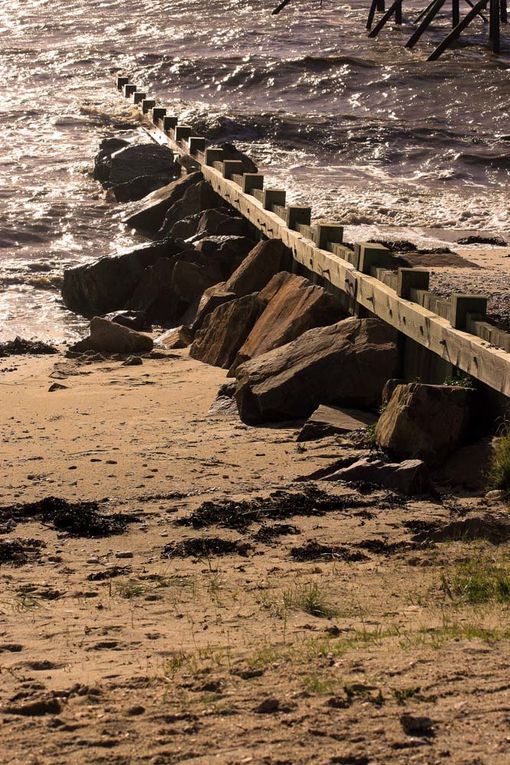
[(434, 9), (479, 6), (371, 13), (387, 16), (423, 12), (494, 32), (455, 12), (482, 16)]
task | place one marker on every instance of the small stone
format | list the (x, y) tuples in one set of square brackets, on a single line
[(137, 709), (494, 495), (124, 554), (417, 726), (57, 386), (268, 707)]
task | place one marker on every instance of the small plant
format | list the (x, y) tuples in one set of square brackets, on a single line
[(499, 471), (478, 581), (460, 380), (129, 589)]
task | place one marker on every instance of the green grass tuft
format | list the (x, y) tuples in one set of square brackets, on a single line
[(478, 581), (499, 471)]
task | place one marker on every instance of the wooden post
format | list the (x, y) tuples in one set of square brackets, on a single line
[(397, 5), (411, 278), (148, 104), (324, 233), (182, 132), (169, 122), (455, 12), (158, 112), (295, 214), (213, 155), (231, 167), (252, 181), (196, 144), (503, 12), (494, 18), (272, 197), (461, 305), (373, 255), (138, 96), (121, 81), (129, 89)]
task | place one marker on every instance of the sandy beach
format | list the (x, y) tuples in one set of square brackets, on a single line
[(327, 633)]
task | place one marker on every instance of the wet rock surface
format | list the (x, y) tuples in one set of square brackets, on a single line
[(21, 347)]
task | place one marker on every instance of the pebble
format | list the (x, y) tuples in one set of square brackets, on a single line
[(124, 554)]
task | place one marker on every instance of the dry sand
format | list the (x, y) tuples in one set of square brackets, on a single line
[(112, 653)]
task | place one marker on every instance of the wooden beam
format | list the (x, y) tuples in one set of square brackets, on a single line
[(455, 33)]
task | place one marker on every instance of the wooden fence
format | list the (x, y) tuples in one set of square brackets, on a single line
[(455, 328)]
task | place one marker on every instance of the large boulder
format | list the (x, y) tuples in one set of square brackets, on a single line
[(228, 252), (265, 260), (109, 337), (192, 276), (137, 160), (107, 147), (346, 363), (295, 305), (220, 222), (212, 298), (424, 421), (149, 214), (107, 284), (408, 477), (196, 198), (137, 188), (224, 331), (154, 294)]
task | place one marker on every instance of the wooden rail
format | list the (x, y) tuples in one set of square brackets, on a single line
[(454, 329)]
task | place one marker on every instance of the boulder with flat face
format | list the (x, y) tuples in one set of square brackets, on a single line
[(346, 363), (137, 160), (265, 260), (334, 420), (107, 147), (407, 477), (154, 294), (137, 188), (295, 305), (224, 331), (107, 284), (148, 214), (228, 252), (425, 421), (220, 222), (109, 337), (196, 198), (212, 298)]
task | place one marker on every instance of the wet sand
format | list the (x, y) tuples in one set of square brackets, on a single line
[(112, 652)]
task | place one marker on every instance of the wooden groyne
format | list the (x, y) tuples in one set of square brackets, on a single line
[(438, 333)]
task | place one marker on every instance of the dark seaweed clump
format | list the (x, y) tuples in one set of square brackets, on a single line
[(313, 551), (278, 506), (19, 551), (204, 548), (20, 347), (79, 519)]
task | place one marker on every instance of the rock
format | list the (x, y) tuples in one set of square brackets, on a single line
[(130, 162), (390, 387), (468, 466), (178, 337), (424, 421), (295, 305), (108, 337), (495, 241), (21, 347), (265, 260), (225, 330), (102, 159), (138, 188), (212, 298), (133, 361), (148, 215), (268, 707), (408, 477), (345, 364), (224, 403), (57, 386), (136, 320), (332, 420), (493, 527), (417, 726), (198, 196), (495, 495), (227, 252), (191, 277), (154, 295), (220, 222), (124, 554), (187, 227), (107, 284)]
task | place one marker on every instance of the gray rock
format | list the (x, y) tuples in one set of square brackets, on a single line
[(102, 159), (137, 160), (108, 337), (196, 198), (139, 187)]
